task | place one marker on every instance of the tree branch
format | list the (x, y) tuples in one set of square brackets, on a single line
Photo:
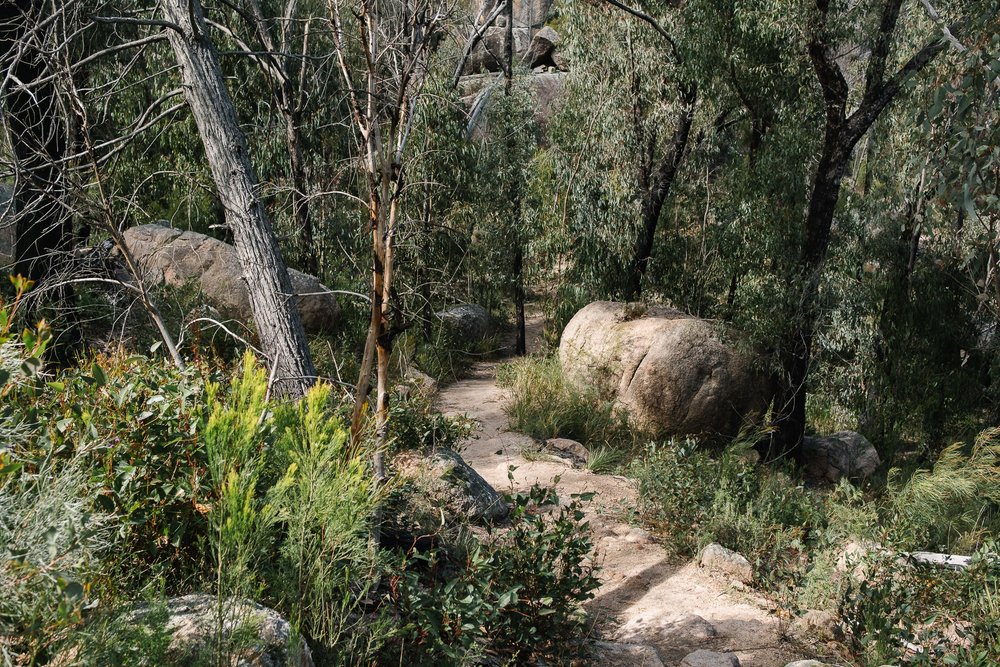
[(642, 16)]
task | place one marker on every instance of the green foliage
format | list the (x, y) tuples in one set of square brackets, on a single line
[(541, 402), (951, 506), (518, 595), (692, 498), (414, 424), (952, 616)]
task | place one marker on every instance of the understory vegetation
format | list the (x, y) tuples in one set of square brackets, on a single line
[(127, 481), (837, 547), (816, 183)]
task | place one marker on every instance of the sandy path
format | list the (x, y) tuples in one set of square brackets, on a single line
[(646, 598)]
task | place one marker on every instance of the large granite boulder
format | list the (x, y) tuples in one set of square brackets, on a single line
[(842, 454), (527, 13), (489, 53), (256, 636), (673, 373), (175, 257), (542, 50)]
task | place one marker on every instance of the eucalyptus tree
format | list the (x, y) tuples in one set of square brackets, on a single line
[(269, 287), (887, 69), (382, 59), (289, 46), (626, 129)]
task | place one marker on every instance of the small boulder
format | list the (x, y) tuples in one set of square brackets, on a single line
[(193, 621), (567, 448), (542, 50), (704, 658), (843, 454), (468, 322), (422, 382), (673, 373), (615, 654), (176, 257), (448, 481), (718, 558), (818, 624)]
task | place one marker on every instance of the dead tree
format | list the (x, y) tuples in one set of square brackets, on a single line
[(383, 72)]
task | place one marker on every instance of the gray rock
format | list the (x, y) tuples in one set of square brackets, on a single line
[(843, 454), (448, 481), (469, 322), (808, 663), (567, 448), (670, 371), (718, 558), (614, 654), (693, 626), (194, 620), (174, 257), (489, 53), (542, 50), (422, 382), (818, 624), (703, 658)]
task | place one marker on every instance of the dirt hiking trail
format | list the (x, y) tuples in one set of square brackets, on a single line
[(650, 609)]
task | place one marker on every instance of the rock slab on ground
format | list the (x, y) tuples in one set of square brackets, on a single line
[(718, 558), (839, 455), (614, 654), (448, 481), (193, 621), (567, 448), (705, 658), (176, 258), (672, 372)]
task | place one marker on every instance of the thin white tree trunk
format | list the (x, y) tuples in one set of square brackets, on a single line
[(275, 314)]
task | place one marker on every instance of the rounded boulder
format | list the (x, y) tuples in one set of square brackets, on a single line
[(672, 372)]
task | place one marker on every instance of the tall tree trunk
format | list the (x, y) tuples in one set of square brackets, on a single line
[(658, 190), (37, 132), (841, 134), (520, 337), (271, 297)]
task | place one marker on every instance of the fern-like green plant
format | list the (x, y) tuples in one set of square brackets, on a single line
[(952, 505)]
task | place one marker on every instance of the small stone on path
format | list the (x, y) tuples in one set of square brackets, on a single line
[(613, 654), (703, 658)]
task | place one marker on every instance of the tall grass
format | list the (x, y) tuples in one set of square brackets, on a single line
[(543, 404)]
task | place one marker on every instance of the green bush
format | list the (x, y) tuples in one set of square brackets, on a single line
[(517, 595), (692, 498), (541, 403), (414, 424), (952, 616)]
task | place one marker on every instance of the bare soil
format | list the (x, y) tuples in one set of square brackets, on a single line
[(647, 599)]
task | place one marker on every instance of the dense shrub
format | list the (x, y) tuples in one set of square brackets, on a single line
[(692, 498), (925, 615), (516, 595)]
